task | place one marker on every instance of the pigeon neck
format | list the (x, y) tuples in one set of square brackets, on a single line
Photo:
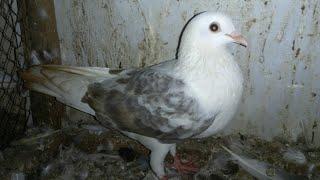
[(195, 60)]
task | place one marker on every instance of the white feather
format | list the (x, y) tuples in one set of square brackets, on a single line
[(259, 169)]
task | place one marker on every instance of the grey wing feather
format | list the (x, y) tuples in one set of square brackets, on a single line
[(147, 102)]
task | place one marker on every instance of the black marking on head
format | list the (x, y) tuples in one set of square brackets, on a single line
[(184, 28), (199, 13)]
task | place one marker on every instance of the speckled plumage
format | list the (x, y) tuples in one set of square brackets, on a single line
[(151, 102)]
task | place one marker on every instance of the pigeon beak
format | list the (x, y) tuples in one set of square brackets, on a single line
[(238, 38)]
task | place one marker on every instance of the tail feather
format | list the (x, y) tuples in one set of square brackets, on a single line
[(87, 71), (68, 84)]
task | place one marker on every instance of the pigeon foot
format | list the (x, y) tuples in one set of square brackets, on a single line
[(183, 168)]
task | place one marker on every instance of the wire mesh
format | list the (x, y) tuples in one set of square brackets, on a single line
[(13, 104)]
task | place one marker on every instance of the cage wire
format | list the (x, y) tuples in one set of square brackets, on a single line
[(14, 112)]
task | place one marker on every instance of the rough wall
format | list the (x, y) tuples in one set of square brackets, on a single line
[(282, 89)]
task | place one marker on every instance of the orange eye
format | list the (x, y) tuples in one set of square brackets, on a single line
[(214, 27)]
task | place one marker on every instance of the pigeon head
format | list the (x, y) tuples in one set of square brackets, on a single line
[(209, 31)]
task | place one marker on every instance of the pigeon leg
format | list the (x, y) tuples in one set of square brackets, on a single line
[(182, 168), (156, 161), (158, 152)]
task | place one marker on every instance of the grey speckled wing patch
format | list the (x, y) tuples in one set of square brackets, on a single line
[(147, 102)]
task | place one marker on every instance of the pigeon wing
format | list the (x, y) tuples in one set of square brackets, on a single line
[(148, 102)]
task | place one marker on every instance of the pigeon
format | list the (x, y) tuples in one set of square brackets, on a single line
[(194, 95)]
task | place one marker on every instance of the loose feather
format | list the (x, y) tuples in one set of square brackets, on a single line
[(259, 169)]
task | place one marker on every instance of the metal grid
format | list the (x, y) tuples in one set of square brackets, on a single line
[(13, 104)]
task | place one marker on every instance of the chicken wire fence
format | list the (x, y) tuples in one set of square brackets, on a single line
[(13, 103)]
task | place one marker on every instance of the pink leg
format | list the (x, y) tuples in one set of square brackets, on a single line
[(183, 168)]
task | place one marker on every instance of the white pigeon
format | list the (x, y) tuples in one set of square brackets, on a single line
[(192, 96)]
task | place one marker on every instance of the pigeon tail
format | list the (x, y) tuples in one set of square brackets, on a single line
[(66, 83)]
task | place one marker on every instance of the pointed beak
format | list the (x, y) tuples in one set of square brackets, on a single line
[(238, 38)]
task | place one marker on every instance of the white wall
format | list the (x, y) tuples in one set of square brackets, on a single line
[(281, 66)]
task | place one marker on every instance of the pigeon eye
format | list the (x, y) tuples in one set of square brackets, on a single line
[(214, 27)]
